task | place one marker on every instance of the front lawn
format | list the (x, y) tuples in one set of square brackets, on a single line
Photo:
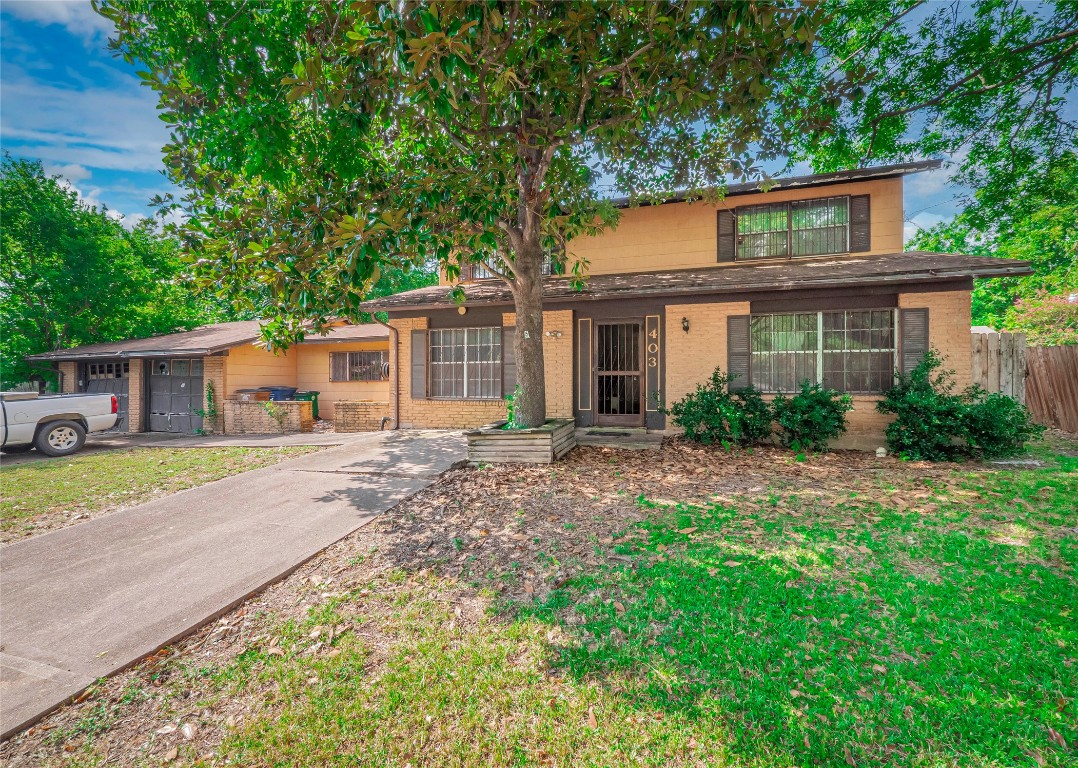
[(43, 495), (689, 607)]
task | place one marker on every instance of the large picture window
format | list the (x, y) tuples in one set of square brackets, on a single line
[(798, 228), (851, 351), (466, 363)]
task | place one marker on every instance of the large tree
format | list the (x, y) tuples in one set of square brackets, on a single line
[(991, 84), (70, 274), (320, 142)]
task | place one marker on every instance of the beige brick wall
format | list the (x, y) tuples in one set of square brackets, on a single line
[(684, 235), (69, 372), (359, 415), (464, 414), (948, 328), (134, 396), (214, 369), (691, 357), (558, 363), (253, 418)]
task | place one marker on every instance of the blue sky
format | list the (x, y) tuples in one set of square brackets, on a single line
[(66, 101)]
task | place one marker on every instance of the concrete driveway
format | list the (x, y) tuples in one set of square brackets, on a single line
[(83, 602)]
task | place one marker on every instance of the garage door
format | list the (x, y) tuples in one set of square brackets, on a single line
[(175, 395), (113, 377)]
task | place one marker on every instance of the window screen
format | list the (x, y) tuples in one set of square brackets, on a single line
[(798, 228), (466, 363), (357, 366), (852, 351)]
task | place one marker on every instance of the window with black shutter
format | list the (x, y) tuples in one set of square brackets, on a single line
[(817, 227)]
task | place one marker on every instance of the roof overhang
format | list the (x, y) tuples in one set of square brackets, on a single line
[(794, 182), (898, 269)]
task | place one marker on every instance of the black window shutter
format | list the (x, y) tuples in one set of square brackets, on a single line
[(727, 236), (914, 327), (737, 351), (860, 227), (509, 360), (338, 366), (419, 365)]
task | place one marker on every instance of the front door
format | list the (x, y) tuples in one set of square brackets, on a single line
[(618, 374)]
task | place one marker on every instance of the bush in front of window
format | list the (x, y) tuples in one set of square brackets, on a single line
[(714, 416), (933, 423), (812, 417)]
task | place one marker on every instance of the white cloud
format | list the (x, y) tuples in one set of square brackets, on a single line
[(72, 172), (114, 128), (78, 17), (921, 221)]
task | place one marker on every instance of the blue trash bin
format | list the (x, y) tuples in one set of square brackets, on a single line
[(280, 393)]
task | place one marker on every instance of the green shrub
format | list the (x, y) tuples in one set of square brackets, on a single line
[(933, 423), (811, 417), (929, 417), (997, 425), (713, 415)]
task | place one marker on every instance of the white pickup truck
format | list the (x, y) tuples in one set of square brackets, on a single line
[(54, 424)]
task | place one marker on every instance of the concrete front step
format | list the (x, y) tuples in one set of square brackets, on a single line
[(628, 438)]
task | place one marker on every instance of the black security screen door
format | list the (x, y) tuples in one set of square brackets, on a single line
[(618, 375)]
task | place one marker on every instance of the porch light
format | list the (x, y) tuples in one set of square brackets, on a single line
[(685, 324)]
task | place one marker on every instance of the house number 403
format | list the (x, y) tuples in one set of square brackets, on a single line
[(653, 348)]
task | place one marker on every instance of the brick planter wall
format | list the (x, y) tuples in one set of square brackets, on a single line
[(252, 419), (359, 415)]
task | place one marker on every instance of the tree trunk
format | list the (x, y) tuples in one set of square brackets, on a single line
[(528, 343)]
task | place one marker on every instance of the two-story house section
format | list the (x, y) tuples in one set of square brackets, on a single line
[(805, 281)]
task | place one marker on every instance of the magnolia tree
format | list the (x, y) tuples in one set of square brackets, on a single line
[(318, 143)]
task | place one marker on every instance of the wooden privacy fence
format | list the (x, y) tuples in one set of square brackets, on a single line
[(1052, 386), (999, 363)]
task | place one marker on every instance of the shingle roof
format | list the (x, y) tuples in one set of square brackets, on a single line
[(891, 268), (206, 340)]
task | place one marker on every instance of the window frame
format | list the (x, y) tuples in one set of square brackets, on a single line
[(821, 348), (473, 271), (350, 367), (788, 205), (434, 336)]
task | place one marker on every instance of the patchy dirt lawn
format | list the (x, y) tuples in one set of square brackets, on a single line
[(686, 607)]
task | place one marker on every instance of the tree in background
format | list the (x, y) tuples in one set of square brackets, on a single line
[(320, 143), (990, 83), (70, 274), (1038, 223)]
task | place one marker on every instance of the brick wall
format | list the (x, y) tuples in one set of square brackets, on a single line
[(359, 415), (691, 357), (214, 370), (948, 328), (254, 419), (134, 396), (464, 414), (69, 371)]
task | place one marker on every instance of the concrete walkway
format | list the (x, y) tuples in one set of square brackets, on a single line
[(83, 602)]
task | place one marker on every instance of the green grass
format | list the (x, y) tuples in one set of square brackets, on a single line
[(40, 491), (773, 631)]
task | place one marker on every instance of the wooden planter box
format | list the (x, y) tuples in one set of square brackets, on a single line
[(542, 445)]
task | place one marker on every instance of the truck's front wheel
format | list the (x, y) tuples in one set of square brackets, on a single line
[(60, 438)]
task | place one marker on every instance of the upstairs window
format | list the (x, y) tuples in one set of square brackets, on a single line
[(474, 271), (798, 228), (817, 227)]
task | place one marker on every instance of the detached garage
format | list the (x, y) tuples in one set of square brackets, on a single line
[(161, 382)]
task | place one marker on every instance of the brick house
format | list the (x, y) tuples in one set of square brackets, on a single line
[(805, 280), (161, 381)]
